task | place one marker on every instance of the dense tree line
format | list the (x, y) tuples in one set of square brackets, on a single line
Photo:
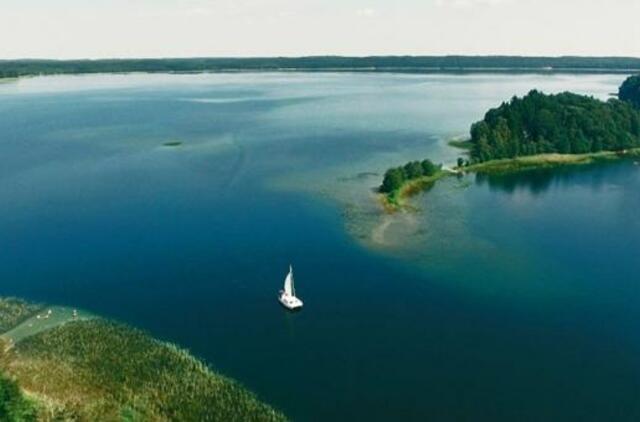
[(630, 91), (11, 68), (565, 123), (8, 74), (395, 177)]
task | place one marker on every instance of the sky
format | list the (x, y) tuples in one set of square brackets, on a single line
[(65, 29)]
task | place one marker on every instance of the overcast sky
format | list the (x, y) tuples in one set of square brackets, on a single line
[(187, 28)]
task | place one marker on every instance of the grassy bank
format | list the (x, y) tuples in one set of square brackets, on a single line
[(88, 370), (398, 198), (540, 161)]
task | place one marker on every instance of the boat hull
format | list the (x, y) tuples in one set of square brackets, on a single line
[(291, 303)]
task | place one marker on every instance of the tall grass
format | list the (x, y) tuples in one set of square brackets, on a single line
[(540, 161), (100, 370)]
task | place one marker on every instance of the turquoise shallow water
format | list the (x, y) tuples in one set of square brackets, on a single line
[(511, 298)]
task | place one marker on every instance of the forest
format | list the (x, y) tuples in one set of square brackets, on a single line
[(564, 123), (15, 68)]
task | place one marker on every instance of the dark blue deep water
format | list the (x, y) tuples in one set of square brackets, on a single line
[(507, 298)]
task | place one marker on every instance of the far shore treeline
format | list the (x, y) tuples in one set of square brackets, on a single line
[(548, 124), (17, 68)]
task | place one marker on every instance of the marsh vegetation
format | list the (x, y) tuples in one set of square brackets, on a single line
[(101, 370), (13, 311)]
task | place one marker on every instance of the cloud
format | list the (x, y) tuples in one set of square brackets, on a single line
[(198, 11), (366, 12), (466, 4)]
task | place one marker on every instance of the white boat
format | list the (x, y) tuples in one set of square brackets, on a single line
[(287, 296)]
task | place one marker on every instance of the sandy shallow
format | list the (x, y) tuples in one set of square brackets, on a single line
[(45, 320)]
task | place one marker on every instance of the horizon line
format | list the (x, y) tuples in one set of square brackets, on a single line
[(311, 56)]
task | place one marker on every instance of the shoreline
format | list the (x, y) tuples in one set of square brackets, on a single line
[(357, 70), (399, 198), (542, 161)]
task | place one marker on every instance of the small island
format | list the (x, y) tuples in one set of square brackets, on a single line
[(532, 132), (401, 182), (172, 144)]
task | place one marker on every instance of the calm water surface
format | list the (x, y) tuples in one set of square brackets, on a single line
[(512, 298)]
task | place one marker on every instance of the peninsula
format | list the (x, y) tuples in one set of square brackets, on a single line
[(532, 132), (63, 364)]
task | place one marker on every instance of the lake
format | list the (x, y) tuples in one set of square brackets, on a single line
[(176, 203)]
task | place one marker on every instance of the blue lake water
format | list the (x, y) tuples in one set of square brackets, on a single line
[(503, 298)]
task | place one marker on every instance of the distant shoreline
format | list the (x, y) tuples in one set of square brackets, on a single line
[(404, 71), (375, 64)]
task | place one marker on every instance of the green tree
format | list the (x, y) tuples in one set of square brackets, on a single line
[(393, 179), (413, 170), (630, 91), (428, 168)]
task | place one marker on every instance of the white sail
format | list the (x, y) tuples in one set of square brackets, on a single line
[(288, 296), (288, 283)]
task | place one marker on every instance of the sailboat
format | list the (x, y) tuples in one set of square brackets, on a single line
[(287, 296)]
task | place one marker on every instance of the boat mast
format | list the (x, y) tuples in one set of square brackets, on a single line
[(293, 289)]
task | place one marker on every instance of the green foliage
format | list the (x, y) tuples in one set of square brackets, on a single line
[(393, 180), (429, 168), (413, 170), (630, 91), (564, 123), (395, 177), (14, 407)]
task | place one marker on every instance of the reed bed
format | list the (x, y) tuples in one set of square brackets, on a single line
[(101, 370)]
